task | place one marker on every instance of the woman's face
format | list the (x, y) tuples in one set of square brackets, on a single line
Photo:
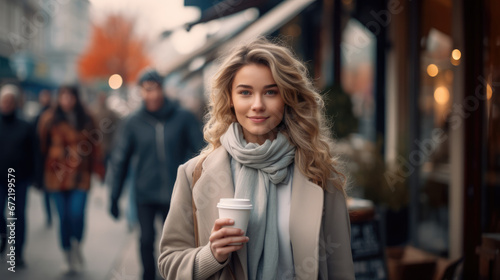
[(67, 101), (257, 103)]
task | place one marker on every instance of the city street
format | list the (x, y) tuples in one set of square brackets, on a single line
[(110, 250), (393, 104)]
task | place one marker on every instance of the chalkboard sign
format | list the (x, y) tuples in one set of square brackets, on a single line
[(368, 251)]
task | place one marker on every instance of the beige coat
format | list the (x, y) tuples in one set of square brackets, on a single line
[(319, 227)]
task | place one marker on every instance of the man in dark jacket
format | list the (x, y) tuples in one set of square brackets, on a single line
[(16, 163), (160, 136)]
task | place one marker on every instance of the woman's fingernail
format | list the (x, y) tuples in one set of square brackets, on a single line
[(231, 221)]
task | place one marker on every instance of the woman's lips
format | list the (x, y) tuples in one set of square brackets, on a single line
[(258, 119)]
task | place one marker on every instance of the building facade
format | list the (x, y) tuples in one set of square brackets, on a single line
[(40, 42)]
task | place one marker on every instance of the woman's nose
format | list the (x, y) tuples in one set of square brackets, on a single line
[(258, 103)]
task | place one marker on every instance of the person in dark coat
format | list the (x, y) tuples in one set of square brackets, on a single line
[(160, 136), (16, 163)]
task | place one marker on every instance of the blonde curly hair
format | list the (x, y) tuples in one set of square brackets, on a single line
[(304, 123)]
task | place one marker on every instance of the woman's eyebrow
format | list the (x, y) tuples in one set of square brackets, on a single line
[(244, 86), (271, 86), (250, 87)]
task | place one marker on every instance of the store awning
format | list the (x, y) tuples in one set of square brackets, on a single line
[(265, 25), (270, 22)]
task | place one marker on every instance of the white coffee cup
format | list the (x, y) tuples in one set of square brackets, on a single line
[(237, 209)]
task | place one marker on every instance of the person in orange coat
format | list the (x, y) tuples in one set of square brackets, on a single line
[(70, 145)]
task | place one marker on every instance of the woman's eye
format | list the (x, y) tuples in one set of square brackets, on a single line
[(245, 92), (271, 92)]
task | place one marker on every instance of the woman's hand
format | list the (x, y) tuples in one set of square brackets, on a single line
[(222, 237)]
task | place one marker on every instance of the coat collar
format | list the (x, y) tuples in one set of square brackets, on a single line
[(163, 113), (305, 211)]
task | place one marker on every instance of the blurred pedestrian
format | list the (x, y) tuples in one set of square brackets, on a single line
[(269, 143), (70, 149), (161, 136), (104, 115), (45, 101), (16, 158)]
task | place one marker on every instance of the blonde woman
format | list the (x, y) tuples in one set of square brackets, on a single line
[(268, 141)]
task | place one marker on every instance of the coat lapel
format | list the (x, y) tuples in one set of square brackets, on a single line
[(215, 182), (305, 223)]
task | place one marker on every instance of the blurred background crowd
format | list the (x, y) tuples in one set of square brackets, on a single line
[(411, 88)]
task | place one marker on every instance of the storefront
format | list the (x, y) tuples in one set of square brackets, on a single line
[(435, 67)]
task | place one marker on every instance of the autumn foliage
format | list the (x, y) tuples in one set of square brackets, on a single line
[(114, 49)]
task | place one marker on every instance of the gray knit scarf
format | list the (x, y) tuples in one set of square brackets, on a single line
[(259, 168)]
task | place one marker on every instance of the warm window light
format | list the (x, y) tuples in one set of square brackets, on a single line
[(454, 62), (489, 91), (432, 70), (441, 95), (115, 81), (456, 54)]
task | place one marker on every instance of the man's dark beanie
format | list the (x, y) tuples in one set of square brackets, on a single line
[(150, 75)]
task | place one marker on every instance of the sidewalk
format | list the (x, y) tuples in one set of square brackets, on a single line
[(110, 250)]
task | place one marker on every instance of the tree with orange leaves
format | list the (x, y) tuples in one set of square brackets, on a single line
[(114, 49)]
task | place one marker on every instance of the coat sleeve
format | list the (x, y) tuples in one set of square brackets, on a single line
[(179, 258), (120, 160), (337, 237)]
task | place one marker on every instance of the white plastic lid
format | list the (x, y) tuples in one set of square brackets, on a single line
[(235, 203)]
